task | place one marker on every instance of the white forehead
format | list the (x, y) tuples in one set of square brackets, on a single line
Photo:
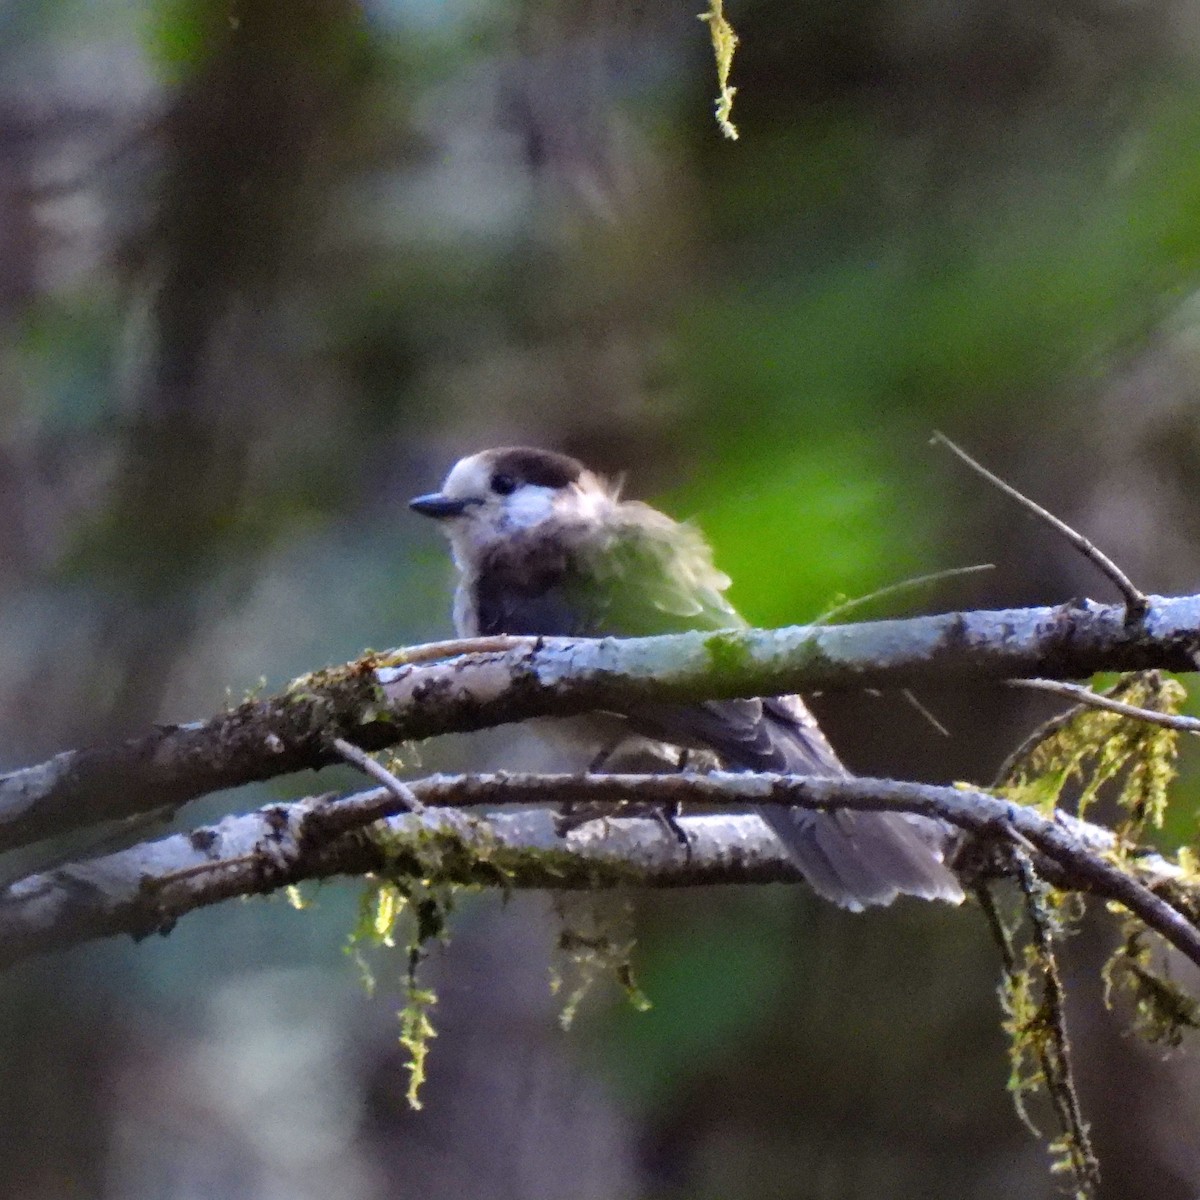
[(471, 476)]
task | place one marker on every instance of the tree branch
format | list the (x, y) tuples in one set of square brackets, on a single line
[(1087, 698), (145, 889), (381, 700)]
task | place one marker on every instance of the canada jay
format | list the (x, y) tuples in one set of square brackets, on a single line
[(544, 546)]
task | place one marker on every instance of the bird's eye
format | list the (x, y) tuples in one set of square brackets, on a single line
[(503, 485)]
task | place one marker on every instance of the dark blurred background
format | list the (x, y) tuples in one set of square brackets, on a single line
[(268, 268)]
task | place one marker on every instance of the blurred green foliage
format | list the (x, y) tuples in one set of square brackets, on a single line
[(707, 993)]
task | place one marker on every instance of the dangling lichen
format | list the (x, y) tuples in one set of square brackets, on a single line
[(724, 43), (1134, 761), (1091, 748), (408, 908), (416, 1032), (418, 912), (1162, 1010), (593, 943), (1032, 999)]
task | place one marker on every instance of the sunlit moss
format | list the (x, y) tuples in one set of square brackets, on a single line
[(727, 652), (1090, 751), (724, 43), (1090, 748), (1032, 999), (416, 1032), (412, 909)]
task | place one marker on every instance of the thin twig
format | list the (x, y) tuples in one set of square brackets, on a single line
[(1085, 696), (986, 816), (1136, 601), (996, 926), (1018, 839), (904, 585), (377, 771), (910, 696), (1035, 738)]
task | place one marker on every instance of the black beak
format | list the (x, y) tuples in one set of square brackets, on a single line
[(438, 505)]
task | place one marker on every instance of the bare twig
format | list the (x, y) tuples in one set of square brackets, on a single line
[(1019, 840), (976, 812), (910, 696), (1085, 696), (1136, 602), (377, 771), (1029, 743), (204, 868), (996, 927), (892, 589)]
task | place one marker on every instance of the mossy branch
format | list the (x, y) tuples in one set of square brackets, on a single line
[(382, 700), (146, 888)]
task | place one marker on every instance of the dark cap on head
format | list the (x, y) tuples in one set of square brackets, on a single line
[(542, 468)]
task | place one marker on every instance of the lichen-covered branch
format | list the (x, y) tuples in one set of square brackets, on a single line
[(385, 699), (145, 889)]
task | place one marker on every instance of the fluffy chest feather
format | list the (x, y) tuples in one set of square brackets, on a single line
[(528, 583)]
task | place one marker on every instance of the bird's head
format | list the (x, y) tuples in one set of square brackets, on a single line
[(490, 496)]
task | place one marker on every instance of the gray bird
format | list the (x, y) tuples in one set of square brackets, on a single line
[(544, 546)]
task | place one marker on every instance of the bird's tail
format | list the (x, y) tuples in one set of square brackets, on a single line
[(858, 859)]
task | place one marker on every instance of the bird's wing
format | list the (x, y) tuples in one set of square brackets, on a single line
[(666, 582), (656, 575), (775, 734), (653, 575)]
